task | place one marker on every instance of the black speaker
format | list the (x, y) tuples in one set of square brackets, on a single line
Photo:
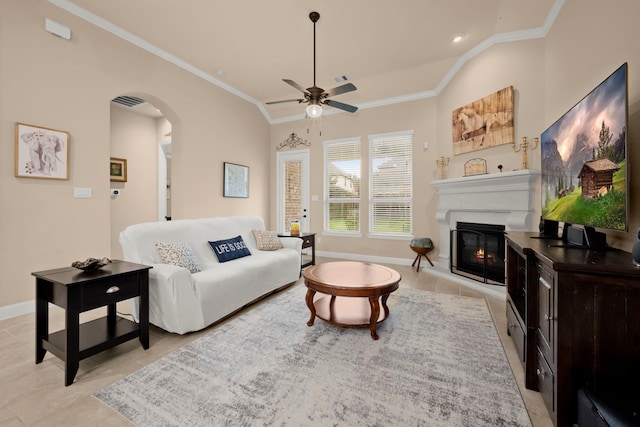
[(575, 236), (548, 228), (635, 253)]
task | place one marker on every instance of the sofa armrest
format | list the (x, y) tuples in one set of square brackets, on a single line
[(163, 280), (166, 272), (292, 243)]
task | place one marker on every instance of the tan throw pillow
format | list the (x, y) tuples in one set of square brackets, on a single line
[(180, 254), (267, 240)]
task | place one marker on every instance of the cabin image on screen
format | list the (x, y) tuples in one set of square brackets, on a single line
[(596, 177)]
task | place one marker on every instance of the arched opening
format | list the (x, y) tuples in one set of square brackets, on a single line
[(141, 139)]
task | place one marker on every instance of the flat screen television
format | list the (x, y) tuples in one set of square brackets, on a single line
[(584, 160)]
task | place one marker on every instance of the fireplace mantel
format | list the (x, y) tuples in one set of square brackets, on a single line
[(506, 198)]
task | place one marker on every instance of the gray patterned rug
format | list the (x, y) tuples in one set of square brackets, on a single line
[(438, 362)]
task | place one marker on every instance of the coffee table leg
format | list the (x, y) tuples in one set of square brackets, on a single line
[(312, 308), (384, 305), (375, 313)]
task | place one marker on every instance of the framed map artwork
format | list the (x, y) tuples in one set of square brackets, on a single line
[(236, 180)]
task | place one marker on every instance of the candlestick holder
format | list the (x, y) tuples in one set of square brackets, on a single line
[(523, 147), (442, 163)]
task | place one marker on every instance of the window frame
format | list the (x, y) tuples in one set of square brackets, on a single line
[(357, 141), (372, 141)]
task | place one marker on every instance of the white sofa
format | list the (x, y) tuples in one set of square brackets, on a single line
[(180, 301)]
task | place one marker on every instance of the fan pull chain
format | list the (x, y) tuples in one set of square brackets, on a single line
[(319, 122)]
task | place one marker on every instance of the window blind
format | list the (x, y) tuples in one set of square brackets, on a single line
[(391, 183), (342, 185)]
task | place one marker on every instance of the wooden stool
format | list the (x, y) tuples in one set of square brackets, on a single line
[(421, 246)]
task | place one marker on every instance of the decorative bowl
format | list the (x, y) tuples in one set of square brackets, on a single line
[(91, 264)]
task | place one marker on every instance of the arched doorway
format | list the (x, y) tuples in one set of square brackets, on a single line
[(141, 136)]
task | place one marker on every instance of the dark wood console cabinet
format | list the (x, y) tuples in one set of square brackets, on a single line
[(574, 316)]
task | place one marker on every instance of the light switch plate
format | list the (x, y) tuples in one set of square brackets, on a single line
[(82, 193)]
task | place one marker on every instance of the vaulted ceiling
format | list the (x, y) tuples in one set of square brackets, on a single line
[(392, 51)]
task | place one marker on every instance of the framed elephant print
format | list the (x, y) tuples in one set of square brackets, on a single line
[(41, 152)]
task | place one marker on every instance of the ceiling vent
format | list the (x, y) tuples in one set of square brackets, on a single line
[(128, 101)]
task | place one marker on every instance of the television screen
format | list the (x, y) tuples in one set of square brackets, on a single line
[(584, 159)]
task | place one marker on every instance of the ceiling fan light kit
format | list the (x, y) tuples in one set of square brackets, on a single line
[(316, 96), (314, 111)]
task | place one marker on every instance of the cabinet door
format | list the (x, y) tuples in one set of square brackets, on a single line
[(546, 383), (516, 331), (516, 280), (545, 312)]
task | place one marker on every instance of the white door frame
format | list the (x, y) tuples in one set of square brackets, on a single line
[(164, 150), (281, 159)]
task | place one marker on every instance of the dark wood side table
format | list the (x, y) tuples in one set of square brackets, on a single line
[(77, 291), (308, 241)]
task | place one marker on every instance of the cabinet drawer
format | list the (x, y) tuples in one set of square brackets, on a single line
[(545, 381), (515, 329), (109, 291), (307, 242)]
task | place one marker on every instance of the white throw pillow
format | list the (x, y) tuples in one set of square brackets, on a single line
[(180, 254), (267, 240)]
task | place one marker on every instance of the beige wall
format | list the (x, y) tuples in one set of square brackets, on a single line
[(68, 85), (586, 44), (419, 116)]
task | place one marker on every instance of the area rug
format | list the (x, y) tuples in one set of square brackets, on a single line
[(438, 362)]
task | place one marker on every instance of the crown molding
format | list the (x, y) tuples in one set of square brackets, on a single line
[(530, 34)]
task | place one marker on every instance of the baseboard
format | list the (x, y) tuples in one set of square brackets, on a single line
[(366, 258), (14, 310)]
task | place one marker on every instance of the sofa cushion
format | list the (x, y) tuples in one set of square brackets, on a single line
[(229, 249), (267, 240), (180, 254)]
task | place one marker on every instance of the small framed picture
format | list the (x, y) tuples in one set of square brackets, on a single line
[(41, 152), (236, 180), (118, 169)]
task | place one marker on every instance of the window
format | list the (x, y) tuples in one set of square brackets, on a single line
[(342, 186), (391, 184)]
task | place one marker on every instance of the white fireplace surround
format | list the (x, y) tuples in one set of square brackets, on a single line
[(506, 198)]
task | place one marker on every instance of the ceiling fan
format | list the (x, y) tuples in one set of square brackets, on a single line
[(316, 96)]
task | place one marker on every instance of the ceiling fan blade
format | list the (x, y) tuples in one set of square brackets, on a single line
[(340, 105), (285, 100), (349, 87), (294, 84)]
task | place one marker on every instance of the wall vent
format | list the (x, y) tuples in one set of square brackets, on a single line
[(128, 101)]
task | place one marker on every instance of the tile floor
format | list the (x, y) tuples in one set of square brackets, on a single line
[(35, 395)]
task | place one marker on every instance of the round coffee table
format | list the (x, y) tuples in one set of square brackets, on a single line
[(353, 292)]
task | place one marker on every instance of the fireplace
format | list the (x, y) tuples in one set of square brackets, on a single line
[(508, 199), (477, 251)]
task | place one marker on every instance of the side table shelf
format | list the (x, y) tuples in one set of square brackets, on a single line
[(77, 291)]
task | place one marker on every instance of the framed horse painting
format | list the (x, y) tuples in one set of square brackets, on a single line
[(484, 123)]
